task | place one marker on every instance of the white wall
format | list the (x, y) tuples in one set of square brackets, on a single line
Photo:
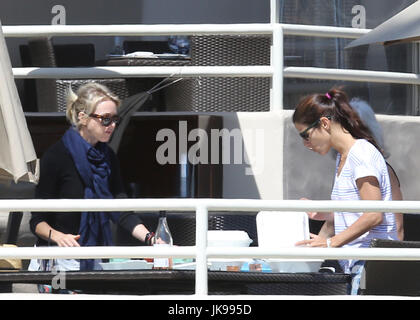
[(258, 177), (308, 174)]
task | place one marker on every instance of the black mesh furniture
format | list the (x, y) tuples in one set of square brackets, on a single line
[(136, 85), (392, 277), (183, 282), (183, 229), (231, 94), (117, 86), (49, 95)]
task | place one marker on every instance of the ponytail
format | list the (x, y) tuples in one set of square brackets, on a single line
[(71, 112), (350, 119), (335, 104)]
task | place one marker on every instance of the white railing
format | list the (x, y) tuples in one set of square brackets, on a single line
[(200, 251), (201, 207), (275, 70)]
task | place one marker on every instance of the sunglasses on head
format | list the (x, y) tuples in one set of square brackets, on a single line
[(106, 119), (305, 133)]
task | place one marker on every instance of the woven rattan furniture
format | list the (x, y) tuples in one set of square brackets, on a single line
[(149, 62), (183, 229), (50, 93), (136, 85), (183, 282), (392, 277), (117, 86), (231, 94)]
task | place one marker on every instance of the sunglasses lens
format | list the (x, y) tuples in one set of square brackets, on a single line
[(116, 120), (304, 135), (108, 121)]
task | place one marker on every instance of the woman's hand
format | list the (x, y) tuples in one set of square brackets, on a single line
[(47, 233), (314, 241), (158, 241), (66, 240)]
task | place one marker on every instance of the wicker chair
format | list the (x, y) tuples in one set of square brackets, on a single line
[(224, 93), (50, 94), (117, 86), (392, 277), (182, 226)]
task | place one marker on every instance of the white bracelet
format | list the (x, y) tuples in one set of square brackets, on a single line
[(328, 242)]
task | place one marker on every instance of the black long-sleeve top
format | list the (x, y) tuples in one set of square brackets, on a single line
[(59, 179)]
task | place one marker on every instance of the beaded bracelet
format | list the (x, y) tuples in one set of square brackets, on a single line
[(149, 238)]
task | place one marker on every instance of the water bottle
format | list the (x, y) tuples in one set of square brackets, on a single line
[(179, 44), (118, 47), (163, 237)]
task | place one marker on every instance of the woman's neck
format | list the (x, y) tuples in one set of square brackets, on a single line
[(89, 138), (343, 141)]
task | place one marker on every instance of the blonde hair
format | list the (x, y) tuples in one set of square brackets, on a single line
[(86, 99)]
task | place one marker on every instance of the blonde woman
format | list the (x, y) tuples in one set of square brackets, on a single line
[(82, 166)]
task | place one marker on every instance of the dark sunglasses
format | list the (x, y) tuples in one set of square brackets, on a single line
[(305, 134), (107, 119)]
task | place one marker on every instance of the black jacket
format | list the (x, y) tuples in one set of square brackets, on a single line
[(59, 179)]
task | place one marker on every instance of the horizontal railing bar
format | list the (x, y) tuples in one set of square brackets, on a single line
[(216, 71), (323, 31), (96, 252), (64, 205), (406, 254), (351, 75), (316, 205), (140, 71), (309, 253), (178, 29), (135, 30)]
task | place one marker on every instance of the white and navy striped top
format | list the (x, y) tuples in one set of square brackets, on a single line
[(363, 160)]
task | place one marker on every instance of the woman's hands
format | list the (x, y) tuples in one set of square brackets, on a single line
[(314, 241)]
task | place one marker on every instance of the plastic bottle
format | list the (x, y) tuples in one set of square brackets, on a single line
[(179, 44), (163, 237), (118, 47)]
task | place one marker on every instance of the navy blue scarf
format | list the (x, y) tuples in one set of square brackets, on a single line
[(93, 165)]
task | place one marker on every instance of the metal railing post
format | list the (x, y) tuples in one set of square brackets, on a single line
[(201, 283), (274, 11), (277, 66)]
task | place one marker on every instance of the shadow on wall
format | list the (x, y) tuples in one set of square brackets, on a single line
[(241, 167), (306, 173), (400, 135)]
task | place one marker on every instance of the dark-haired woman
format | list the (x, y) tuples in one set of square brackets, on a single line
[(326, 121)]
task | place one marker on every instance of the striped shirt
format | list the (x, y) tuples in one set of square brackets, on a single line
[(363, 160)]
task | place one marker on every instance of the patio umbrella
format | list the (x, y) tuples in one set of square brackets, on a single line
[(18, 161), (403, 27)]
